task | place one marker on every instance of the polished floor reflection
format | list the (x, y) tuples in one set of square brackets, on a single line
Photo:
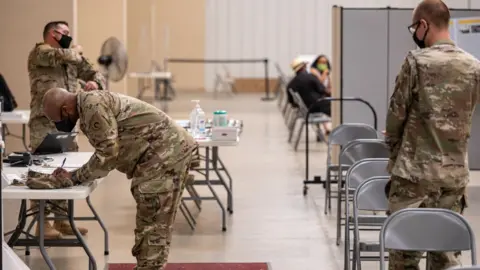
[(272, 221)]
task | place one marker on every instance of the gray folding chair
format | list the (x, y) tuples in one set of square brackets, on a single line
[(281, 84), (355, 151), (291, 115), (314, 119), (358, 173), (426, 229), (369, 196), (281, 96), (341, 136), (286, 105)]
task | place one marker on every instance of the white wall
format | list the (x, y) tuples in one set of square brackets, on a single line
[(278, 30)]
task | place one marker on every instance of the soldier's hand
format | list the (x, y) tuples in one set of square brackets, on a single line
[(61, 172), (78, 48), (91, 85)]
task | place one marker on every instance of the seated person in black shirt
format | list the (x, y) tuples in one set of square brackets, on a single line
[(310, 90), (297, 66)]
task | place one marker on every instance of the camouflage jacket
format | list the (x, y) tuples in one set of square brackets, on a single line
[(50, 67), (430, 113), (121, 129)]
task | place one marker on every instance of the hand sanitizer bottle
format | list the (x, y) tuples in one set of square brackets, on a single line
[(193, 118), (201, 123)]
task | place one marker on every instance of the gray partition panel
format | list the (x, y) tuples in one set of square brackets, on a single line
[(459, 13), (364, 73), (400, 41), (473, 145), (374, 44), (473, 149)]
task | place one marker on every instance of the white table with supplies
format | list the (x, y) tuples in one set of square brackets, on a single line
[(212, 164), (74, 160)]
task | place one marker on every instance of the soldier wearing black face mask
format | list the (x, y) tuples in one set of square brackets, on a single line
[(428, 127), (56, 63)]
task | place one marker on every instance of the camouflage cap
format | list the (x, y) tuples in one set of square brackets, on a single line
[(37, 180)]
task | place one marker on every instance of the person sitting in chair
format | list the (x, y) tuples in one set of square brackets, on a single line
[(310, 89), (321, 68)]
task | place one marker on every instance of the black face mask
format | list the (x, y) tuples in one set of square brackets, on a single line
[(65, 41), (420, 43), (66, 125)]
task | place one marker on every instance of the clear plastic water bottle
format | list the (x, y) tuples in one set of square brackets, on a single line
[(193, 117), (201, 123)]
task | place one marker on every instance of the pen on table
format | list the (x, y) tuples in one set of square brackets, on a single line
[(63, 163)]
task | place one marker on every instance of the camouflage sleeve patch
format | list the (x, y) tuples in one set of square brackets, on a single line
[(50, 57), (87, 72), (100, 127), (399, 103)]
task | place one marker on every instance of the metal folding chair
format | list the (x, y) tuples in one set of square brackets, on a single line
[(353, 152), (357, 174), (291, 115), (281, 96), (426, 229), (282, 82), (314, 119), (341, 136), (286, 105), (369, 196)]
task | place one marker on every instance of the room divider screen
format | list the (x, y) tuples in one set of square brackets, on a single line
[(370, 50)]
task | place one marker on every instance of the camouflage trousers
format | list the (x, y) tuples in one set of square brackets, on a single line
[(158, 197), (407, 194), (39, 128)]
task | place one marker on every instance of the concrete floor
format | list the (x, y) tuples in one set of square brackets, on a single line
[(272, 221)]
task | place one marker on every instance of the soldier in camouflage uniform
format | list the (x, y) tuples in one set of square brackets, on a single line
[(54, 63), (428, 126), (141, 141)]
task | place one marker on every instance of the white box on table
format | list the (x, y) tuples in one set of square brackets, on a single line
[(224, 133)]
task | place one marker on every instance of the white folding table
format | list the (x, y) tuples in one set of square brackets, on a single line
[(214, 164), (15, 117), (73, 161), (159, 78)]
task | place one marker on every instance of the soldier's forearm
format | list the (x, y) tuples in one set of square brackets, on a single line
[(55, 57), (75, 178)]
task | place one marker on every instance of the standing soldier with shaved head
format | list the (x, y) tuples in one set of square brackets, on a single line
[(55, 63), (141, 141), (428, 126)]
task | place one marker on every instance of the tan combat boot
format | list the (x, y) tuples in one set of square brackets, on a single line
[(49, 231), (65, 228)]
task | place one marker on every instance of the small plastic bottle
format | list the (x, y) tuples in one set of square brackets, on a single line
[(220, 118)]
